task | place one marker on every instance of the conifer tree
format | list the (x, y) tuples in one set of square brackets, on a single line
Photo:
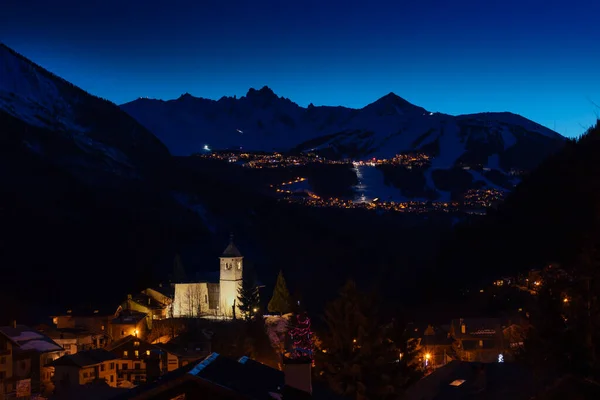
[(178, 270), (280, 302), (360, 349), (248, 299)]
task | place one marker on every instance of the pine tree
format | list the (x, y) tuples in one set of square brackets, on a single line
[(178, 270), (248, 299), (359, 355), (280, 302)]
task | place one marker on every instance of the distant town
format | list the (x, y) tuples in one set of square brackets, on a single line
[(473, 201)]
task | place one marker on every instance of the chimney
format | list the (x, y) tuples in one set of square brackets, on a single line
[(298, 374)]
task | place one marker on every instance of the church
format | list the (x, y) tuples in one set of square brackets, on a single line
[(207, 299)]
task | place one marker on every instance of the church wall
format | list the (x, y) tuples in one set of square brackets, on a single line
[(191, 300)]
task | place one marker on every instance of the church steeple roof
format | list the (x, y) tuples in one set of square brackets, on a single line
[(231, 250)]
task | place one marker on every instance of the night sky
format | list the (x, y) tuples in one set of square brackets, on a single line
[(537, 58)]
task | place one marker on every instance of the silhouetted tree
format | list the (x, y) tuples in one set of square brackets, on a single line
[(248, 299), (178, 270), (359, 355), (280, 302)]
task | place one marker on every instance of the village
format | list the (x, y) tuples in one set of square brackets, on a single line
[(153, 334)]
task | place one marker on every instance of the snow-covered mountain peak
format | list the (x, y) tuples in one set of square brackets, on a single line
[(79, 129)]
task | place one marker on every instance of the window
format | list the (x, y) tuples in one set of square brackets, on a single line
[(112, 378), (137, 353), (124, 366), (112, 365), (147, 352), (102, 367), (102, 327), (125, 353), (481, 343), (206, 298), (136, 344), (122, 333), (137, 366), (2, 375)]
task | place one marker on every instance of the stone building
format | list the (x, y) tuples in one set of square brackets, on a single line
[(216, 299)]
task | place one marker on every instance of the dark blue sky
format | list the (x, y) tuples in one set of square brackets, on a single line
[(537, 58)]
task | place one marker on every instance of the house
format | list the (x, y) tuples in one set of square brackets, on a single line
[(76, 339), (187, 348), (128, 322), (26, 353), (150, 302), (94, 320), (478, 339), (434, 347), (218, 377), (469, 380), (134, 354), (85, 367)]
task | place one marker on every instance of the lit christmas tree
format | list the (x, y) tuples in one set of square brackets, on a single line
[(301, 339)]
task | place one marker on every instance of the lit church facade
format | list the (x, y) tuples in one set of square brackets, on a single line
[(206, 299)]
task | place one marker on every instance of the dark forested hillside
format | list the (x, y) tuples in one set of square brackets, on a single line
[(544, 220)]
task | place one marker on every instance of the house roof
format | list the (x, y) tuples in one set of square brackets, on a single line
[(147, 301), (28, 339), (85, 358), (129, 317), (478, 327), (67, 333), (88, 312), (465, 380), (243, 378), (118, 343), (231, 250)]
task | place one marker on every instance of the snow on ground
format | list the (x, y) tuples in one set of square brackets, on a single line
[(493, 162), (277, 326), (444, 196), (507, 137), (26, 335), (451, 147), (478, 176), (298, 187), (371, 185), (41, 346), (30, 95)]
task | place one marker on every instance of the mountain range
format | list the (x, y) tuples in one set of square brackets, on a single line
[(471, 151), (263, 121)]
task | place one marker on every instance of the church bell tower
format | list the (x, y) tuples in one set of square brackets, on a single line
[(231, 273)]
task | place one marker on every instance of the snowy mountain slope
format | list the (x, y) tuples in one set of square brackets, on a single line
[(263, 121), (495, 142), (95, 133)]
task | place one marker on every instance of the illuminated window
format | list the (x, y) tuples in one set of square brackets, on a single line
[(136, 344), (457, 382), (147, 352), (137, 353), (481, 343), (125, 353)]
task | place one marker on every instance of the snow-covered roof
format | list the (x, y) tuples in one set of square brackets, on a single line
[(28, 339)]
